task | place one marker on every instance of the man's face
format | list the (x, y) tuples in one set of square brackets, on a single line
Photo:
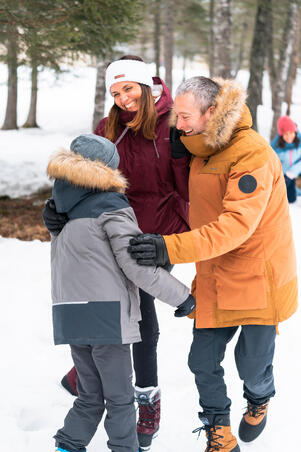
[(189, 117)]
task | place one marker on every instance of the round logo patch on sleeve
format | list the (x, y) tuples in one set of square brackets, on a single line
[(247, 183)]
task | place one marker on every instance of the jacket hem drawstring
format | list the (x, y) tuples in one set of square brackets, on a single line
[(156, 150)]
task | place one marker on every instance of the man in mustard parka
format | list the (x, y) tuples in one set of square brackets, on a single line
[(241, 240)]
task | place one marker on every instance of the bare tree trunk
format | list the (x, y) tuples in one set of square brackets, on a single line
[(10, 121), (157, 34), (168, 40), (212, 47), (223, 40), (284, 60), (257, 60), (293, 67), (271, 54), (31, 120), (241, 50), (100, 93)]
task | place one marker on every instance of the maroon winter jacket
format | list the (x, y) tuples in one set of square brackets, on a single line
[(158, 184)]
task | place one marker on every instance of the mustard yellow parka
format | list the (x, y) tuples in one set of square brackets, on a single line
[(241, 234)]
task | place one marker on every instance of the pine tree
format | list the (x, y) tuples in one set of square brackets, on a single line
[(50, 31)]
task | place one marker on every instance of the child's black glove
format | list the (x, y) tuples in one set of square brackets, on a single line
[(186, 307), (178, 150), (53, 220)]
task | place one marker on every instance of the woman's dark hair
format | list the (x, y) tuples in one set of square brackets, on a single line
[(281, 142), (145, 118)]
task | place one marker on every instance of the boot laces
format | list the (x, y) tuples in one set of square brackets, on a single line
[(212, 437), (256, 410), (147, 411)]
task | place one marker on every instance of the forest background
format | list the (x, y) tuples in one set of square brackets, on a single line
[(64, 44), (227, 35)]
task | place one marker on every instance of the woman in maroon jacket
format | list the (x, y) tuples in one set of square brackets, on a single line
[(157, 191)]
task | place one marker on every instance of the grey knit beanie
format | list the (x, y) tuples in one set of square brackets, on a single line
[(93, 147)]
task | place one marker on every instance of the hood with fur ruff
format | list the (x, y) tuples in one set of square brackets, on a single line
[(230, 115), (85, 173)]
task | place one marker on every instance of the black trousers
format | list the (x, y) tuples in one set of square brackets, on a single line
[(145, 352), (254, 354), (290, 189)]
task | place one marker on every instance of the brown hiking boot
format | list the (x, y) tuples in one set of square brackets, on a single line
[(218, 432), (253, 421)]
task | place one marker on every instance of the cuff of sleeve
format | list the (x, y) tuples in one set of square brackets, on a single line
[(181, 248)]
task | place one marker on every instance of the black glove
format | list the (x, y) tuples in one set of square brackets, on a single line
[(53, 220), (178, 150), (186, 307), (149, 249)]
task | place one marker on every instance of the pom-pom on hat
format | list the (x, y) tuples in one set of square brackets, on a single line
[(94, 147), (128, 71), (286, 124)]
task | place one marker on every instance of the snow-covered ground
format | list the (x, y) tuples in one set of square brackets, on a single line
[(33, 404)]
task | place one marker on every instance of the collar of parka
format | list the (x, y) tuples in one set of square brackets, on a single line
[(83, 172), (229, 117)]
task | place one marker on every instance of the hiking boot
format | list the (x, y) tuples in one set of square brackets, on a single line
[(69, 382), (218, 432), (149, 415), (253, 421)]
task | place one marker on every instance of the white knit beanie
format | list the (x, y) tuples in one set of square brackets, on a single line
[(128, 71)]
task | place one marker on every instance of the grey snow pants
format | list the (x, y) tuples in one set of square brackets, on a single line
[(254, 354), (104, 382)]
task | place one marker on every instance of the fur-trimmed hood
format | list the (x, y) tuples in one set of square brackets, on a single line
[(230, 115), (85, 173)]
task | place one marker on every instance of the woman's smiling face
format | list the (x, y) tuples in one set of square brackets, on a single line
[(289, 137), (126, 95)]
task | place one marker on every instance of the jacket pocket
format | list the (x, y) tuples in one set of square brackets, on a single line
[(240, 283), (133, 292)]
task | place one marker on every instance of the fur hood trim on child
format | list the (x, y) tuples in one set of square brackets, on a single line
[(84, 172)]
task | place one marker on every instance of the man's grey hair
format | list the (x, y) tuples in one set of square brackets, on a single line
[(204, 90)]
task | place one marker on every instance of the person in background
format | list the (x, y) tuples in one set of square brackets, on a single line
[(95, 294), (242, 243), (157, 175), (288, 147)]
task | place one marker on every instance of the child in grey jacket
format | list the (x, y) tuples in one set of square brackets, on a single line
[(95, 291)]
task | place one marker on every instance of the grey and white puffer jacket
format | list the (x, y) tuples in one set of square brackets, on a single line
[(94, 280)]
